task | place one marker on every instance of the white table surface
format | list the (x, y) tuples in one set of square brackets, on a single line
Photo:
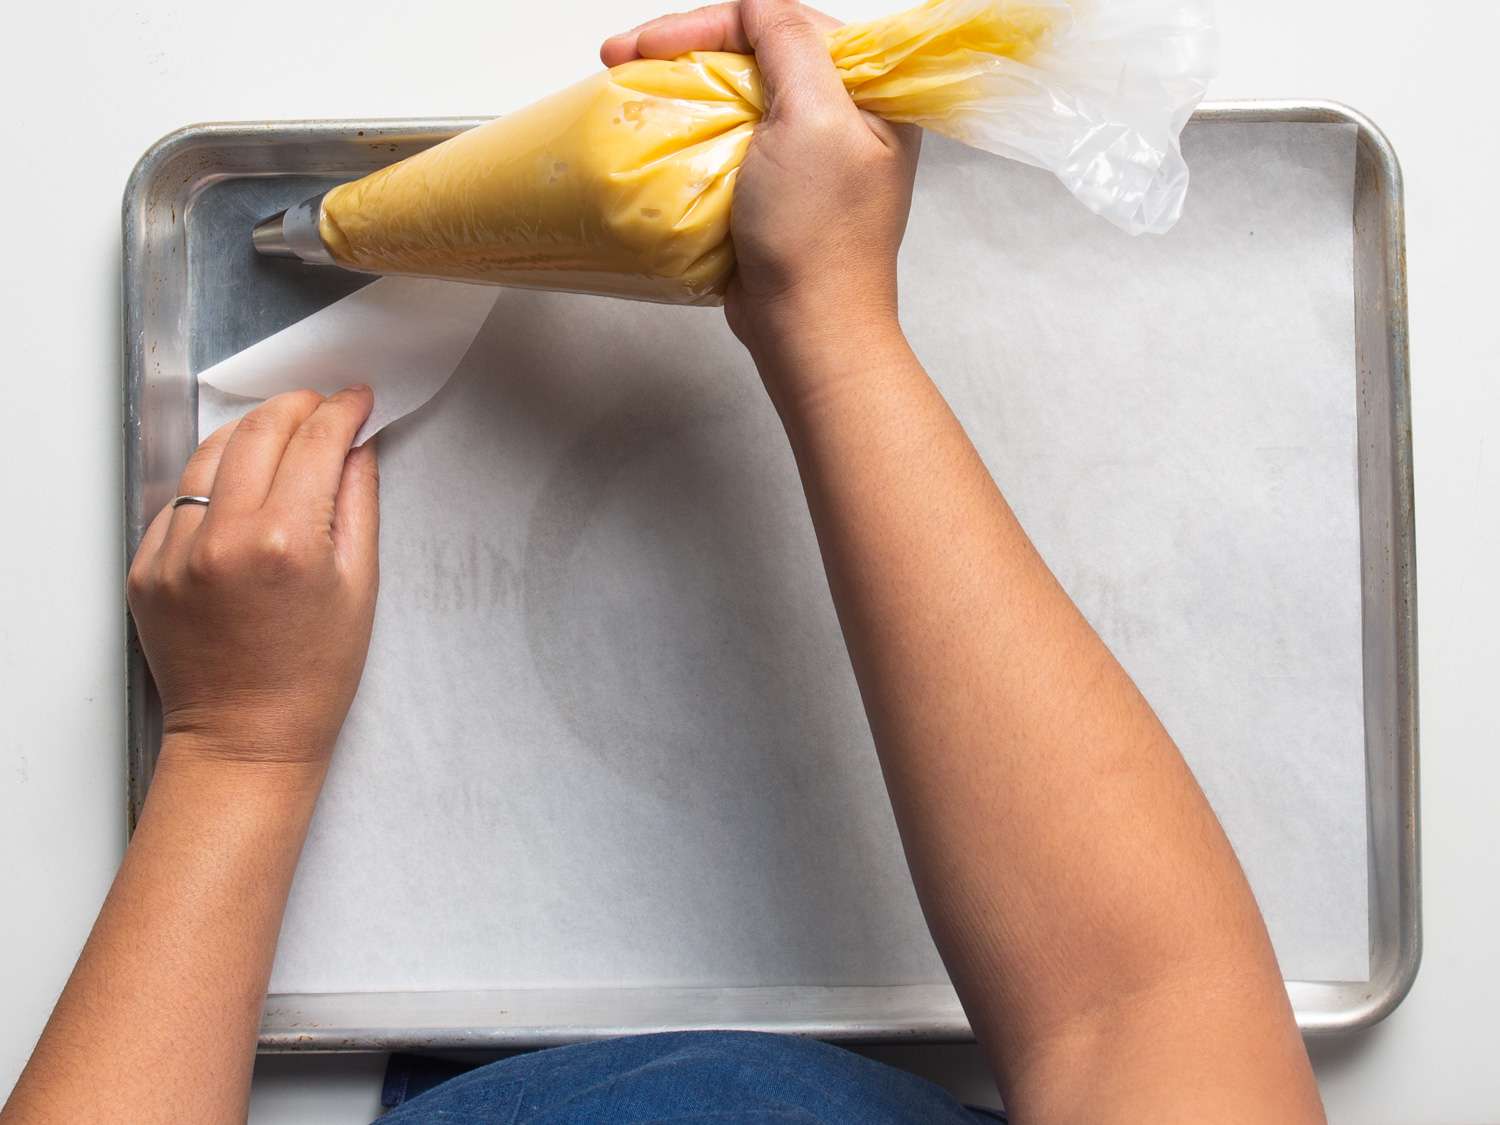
[(89, 87)]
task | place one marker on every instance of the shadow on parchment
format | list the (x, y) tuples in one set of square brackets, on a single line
[(671, 592), (649, 465)]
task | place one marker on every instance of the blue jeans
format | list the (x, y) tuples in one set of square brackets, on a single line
[(705, 1077)]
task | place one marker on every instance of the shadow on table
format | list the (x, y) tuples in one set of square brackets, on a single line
[(1333, 1054)]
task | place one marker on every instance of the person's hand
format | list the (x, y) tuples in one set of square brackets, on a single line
[(820, 203), (255, 610)]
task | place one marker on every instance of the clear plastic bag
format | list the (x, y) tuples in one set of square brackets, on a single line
[(622, 184), (1100, 102)]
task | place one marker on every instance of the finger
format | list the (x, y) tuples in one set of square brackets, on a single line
[(716, 27), (356, 513), (250, 460), (198, 478), (791, 50), (904, 139), (313, 464), (620, 47), (148, 550), (821, 20)]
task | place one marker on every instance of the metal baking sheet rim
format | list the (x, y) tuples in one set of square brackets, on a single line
[(160, 190)]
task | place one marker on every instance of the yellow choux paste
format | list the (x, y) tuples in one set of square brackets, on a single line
[(621, 185)]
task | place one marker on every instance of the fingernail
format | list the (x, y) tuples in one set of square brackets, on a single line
[(358, 388)]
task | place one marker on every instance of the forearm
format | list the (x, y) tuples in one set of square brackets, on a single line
[(1072, 873), (254, 610), (158, 1020)]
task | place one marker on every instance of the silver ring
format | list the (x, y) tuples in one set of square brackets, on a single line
[(179, 501)]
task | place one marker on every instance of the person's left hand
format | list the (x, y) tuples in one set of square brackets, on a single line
[(255, 610)]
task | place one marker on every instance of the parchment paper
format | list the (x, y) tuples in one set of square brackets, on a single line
[(404, 335), (608, 735)]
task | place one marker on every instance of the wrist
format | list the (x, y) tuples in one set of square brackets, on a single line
[(817, 319), (810, 350), (199, 760), (264, 726)]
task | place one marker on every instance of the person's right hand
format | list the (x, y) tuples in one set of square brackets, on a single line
[(255, 610), (821, 201)]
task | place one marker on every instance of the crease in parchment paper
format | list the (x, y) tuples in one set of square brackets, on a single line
[(607, 733)]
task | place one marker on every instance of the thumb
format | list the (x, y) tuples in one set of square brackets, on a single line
[(356, 514), (791, 50)]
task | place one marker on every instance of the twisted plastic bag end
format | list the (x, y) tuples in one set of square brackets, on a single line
[(1128, 75), (1100, 103)]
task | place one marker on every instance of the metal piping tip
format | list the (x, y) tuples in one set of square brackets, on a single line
[(293, 233), (269, 239)]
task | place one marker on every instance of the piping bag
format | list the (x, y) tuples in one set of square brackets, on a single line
[(621, 185)]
